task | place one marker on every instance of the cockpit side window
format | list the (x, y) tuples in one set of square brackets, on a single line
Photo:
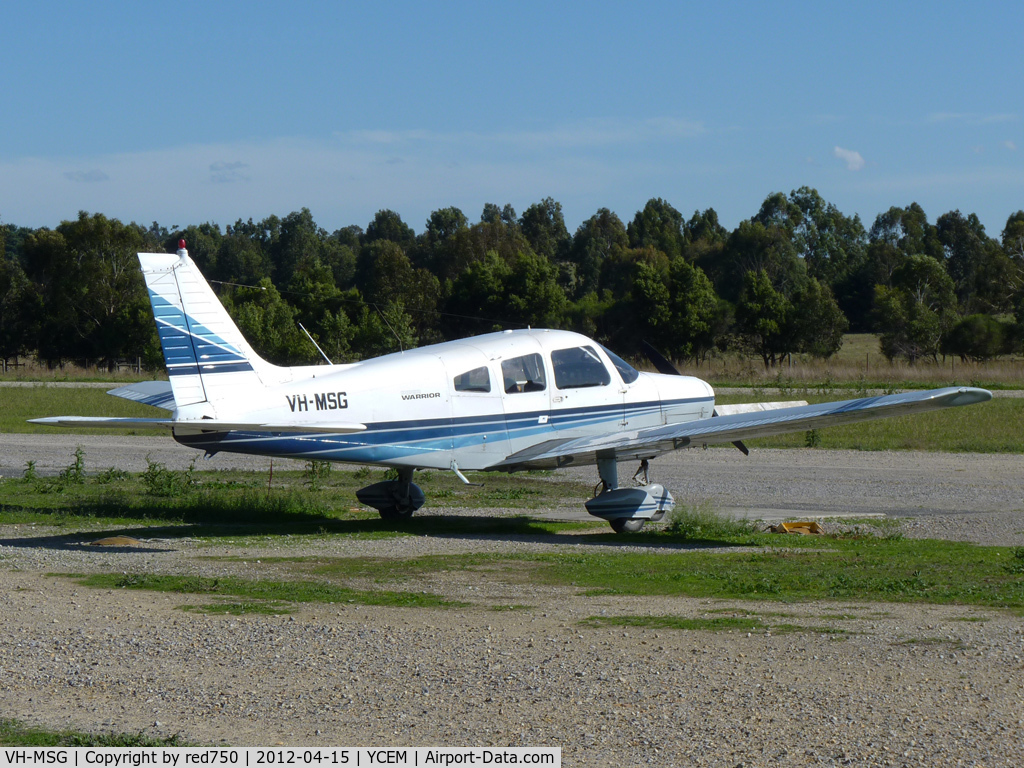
[(628, 373), (476, 380), (523, 374), (579, 367)]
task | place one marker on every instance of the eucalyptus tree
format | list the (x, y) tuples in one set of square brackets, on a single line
[(506, 215), (496, 292), (594, 242), (21, 310), (978, 337), (544, 228), (698, 315), (756, 247), (88, 279), (764, 319), (386, 278), (268, 322), (437, 241), (917, 310), (819, 322), (830, 243), (443, 224), (660, 226), (982, 273), (388, 225), (299, 241)]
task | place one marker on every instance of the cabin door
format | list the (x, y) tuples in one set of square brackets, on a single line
[(526, 397), (479, 435)]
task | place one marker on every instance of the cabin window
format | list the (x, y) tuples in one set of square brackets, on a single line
[(579, 367), (628, 373), (523, 374), (477, 380)]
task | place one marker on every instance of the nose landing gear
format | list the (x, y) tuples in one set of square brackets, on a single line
[(627, 509)]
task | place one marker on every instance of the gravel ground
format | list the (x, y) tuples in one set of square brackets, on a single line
[(901, 685)]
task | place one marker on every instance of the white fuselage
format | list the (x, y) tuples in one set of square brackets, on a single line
[(470, 403)]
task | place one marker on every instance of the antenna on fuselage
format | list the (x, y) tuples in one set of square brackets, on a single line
[(401, 347), (325, 357)]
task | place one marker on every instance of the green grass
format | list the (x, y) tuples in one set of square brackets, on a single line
[(16, 734), (17, 404), (923, 571), (807, 569), (240, 503), (263, 595), (992, 427), (875, 564)]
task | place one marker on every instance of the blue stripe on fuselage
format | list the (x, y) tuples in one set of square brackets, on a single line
[(384, 442)]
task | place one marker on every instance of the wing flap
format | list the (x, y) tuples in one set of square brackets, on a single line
[(654, 441), (729, 410)]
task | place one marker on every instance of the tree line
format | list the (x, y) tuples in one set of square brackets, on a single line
[(791, 279)]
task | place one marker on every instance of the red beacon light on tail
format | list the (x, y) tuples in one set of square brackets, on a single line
[(181, 248)]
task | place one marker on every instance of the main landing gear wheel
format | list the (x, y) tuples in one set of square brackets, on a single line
[(393, 499), (396, 513), (626, 525)]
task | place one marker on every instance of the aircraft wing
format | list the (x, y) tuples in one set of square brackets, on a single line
[(201, 425), (654, 441)]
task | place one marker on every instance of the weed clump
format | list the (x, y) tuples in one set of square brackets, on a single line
[(1017, 566), (74, 473), (112, 475), (316, 473), (703, 522), (161, 481)]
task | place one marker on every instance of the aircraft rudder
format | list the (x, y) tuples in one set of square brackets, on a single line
[(204, 351)]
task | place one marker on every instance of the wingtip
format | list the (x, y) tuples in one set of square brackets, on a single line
[(970, 396)]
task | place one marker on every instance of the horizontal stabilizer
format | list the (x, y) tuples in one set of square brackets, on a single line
[(201, 425), (155, 393)]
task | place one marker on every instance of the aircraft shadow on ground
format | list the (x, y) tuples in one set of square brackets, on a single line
[(448, 526)]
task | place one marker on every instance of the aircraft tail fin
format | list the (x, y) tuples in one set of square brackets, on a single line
[(206, 355)]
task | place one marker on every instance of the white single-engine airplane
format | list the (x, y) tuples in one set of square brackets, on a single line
[(505, 401)]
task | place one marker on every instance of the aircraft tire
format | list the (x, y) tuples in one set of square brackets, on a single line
[(394, 513), (626, 524)]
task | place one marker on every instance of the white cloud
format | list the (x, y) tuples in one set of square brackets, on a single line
[(972, 118), (584, 134), (86, 177), (1010, 146), (853, 160), (340, 181), (226, 173)]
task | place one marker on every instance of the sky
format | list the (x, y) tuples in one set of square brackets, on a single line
[(191, 112)]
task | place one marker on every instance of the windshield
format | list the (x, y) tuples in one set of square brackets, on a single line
[(628, 373)]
